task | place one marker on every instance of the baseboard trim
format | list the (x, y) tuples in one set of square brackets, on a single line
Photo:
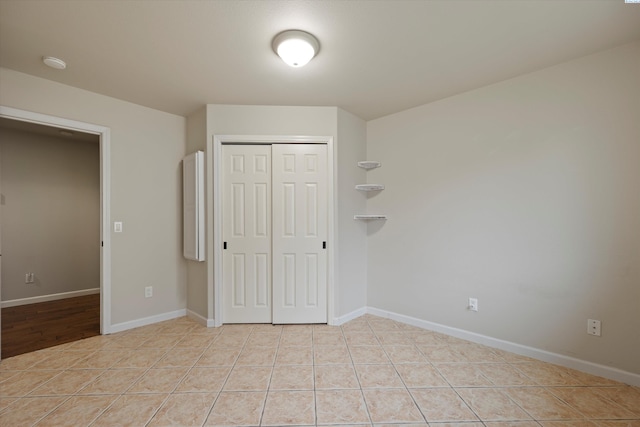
[(46, 298), (546, 356), (124, 326), (337, 321), (209, 323)]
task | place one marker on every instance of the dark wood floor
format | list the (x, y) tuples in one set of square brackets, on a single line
[(31, 327)]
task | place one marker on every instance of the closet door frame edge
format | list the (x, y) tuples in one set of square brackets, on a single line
[(214, 214)]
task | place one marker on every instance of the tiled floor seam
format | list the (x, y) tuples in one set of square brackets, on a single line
[(227, 378), (266, 397), (56, 407), (213, 340), (92, 422), (168, 394), (313, 378), (405, 384), (366, 404)]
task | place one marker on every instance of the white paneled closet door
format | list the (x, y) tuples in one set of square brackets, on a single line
[(246, 205), (275, 231), (299, 233)]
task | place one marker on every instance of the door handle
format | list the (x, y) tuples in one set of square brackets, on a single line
[(324, 245), (224, 245)]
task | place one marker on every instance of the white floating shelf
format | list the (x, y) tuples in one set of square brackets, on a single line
[(368, 164), (369, 217), (369, 187)]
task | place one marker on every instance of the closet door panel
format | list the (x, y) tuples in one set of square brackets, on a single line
[(246, 222), (299, 231)]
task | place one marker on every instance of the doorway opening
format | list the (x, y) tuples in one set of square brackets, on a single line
[(58, 188)]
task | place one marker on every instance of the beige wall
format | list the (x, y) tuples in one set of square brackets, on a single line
[(197, 271), (146, 189), (50, 214), (351, 295), (349, 142), (268, 120), (524, 194)]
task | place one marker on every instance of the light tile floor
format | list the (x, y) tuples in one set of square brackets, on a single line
[(370, 371)]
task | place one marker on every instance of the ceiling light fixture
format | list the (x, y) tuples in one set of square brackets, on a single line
[(56, 63), (295, 47)]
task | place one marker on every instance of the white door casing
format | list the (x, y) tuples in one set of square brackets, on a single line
[(299, 233), (105, 194), (246, 232), (213, 153)]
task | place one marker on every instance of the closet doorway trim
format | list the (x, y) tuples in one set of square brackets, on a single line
[(214, 213)]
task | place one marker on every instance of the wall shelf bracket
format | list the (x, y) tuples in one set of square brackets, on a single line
[(369, 217), (369, 164), (369, 187)]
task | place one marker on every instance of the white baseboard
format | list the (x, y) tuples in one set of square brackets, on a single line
[(546, 356), (337, 321), (119, 327), (51, 297), (209, 323)]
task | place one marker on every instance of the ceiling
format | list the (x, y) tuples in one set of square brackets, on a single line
[(376, 57)]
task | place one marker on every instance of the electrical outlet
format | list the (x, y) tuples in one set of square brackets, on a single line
[(148, 292), (594, 327), (473, 304), (29, 278)]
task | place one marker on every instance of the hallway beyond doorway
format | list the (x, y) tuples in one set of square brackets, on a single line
[(31, 327)]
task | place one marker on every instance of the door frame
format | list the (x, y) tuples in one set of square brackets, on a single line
[(214, 212), (104, 133)]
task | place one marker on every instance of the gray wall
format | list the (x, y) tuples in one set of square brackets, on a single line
[(268, 120), (147, 147), (352, 235), (525, 195), (197, 299), (349, 142), (50, 214)]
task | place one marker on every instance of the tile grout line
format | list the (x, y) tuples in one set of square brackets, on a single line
[(424, 417), (355, 372), (235, 360), (140, 378), (120, 396), (26, 396), (266, 396), (313, 374), (204, 421), (49, 412)]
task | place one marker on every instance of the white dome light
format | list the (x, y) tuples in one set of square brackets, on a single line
[(296, 48), (56, 63)]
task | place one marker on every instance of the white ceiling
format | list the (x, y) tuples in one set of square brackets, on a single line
[(376, 57)]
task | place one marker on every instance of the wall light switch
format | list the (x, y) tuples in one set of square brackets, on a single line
[(117, 227)]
